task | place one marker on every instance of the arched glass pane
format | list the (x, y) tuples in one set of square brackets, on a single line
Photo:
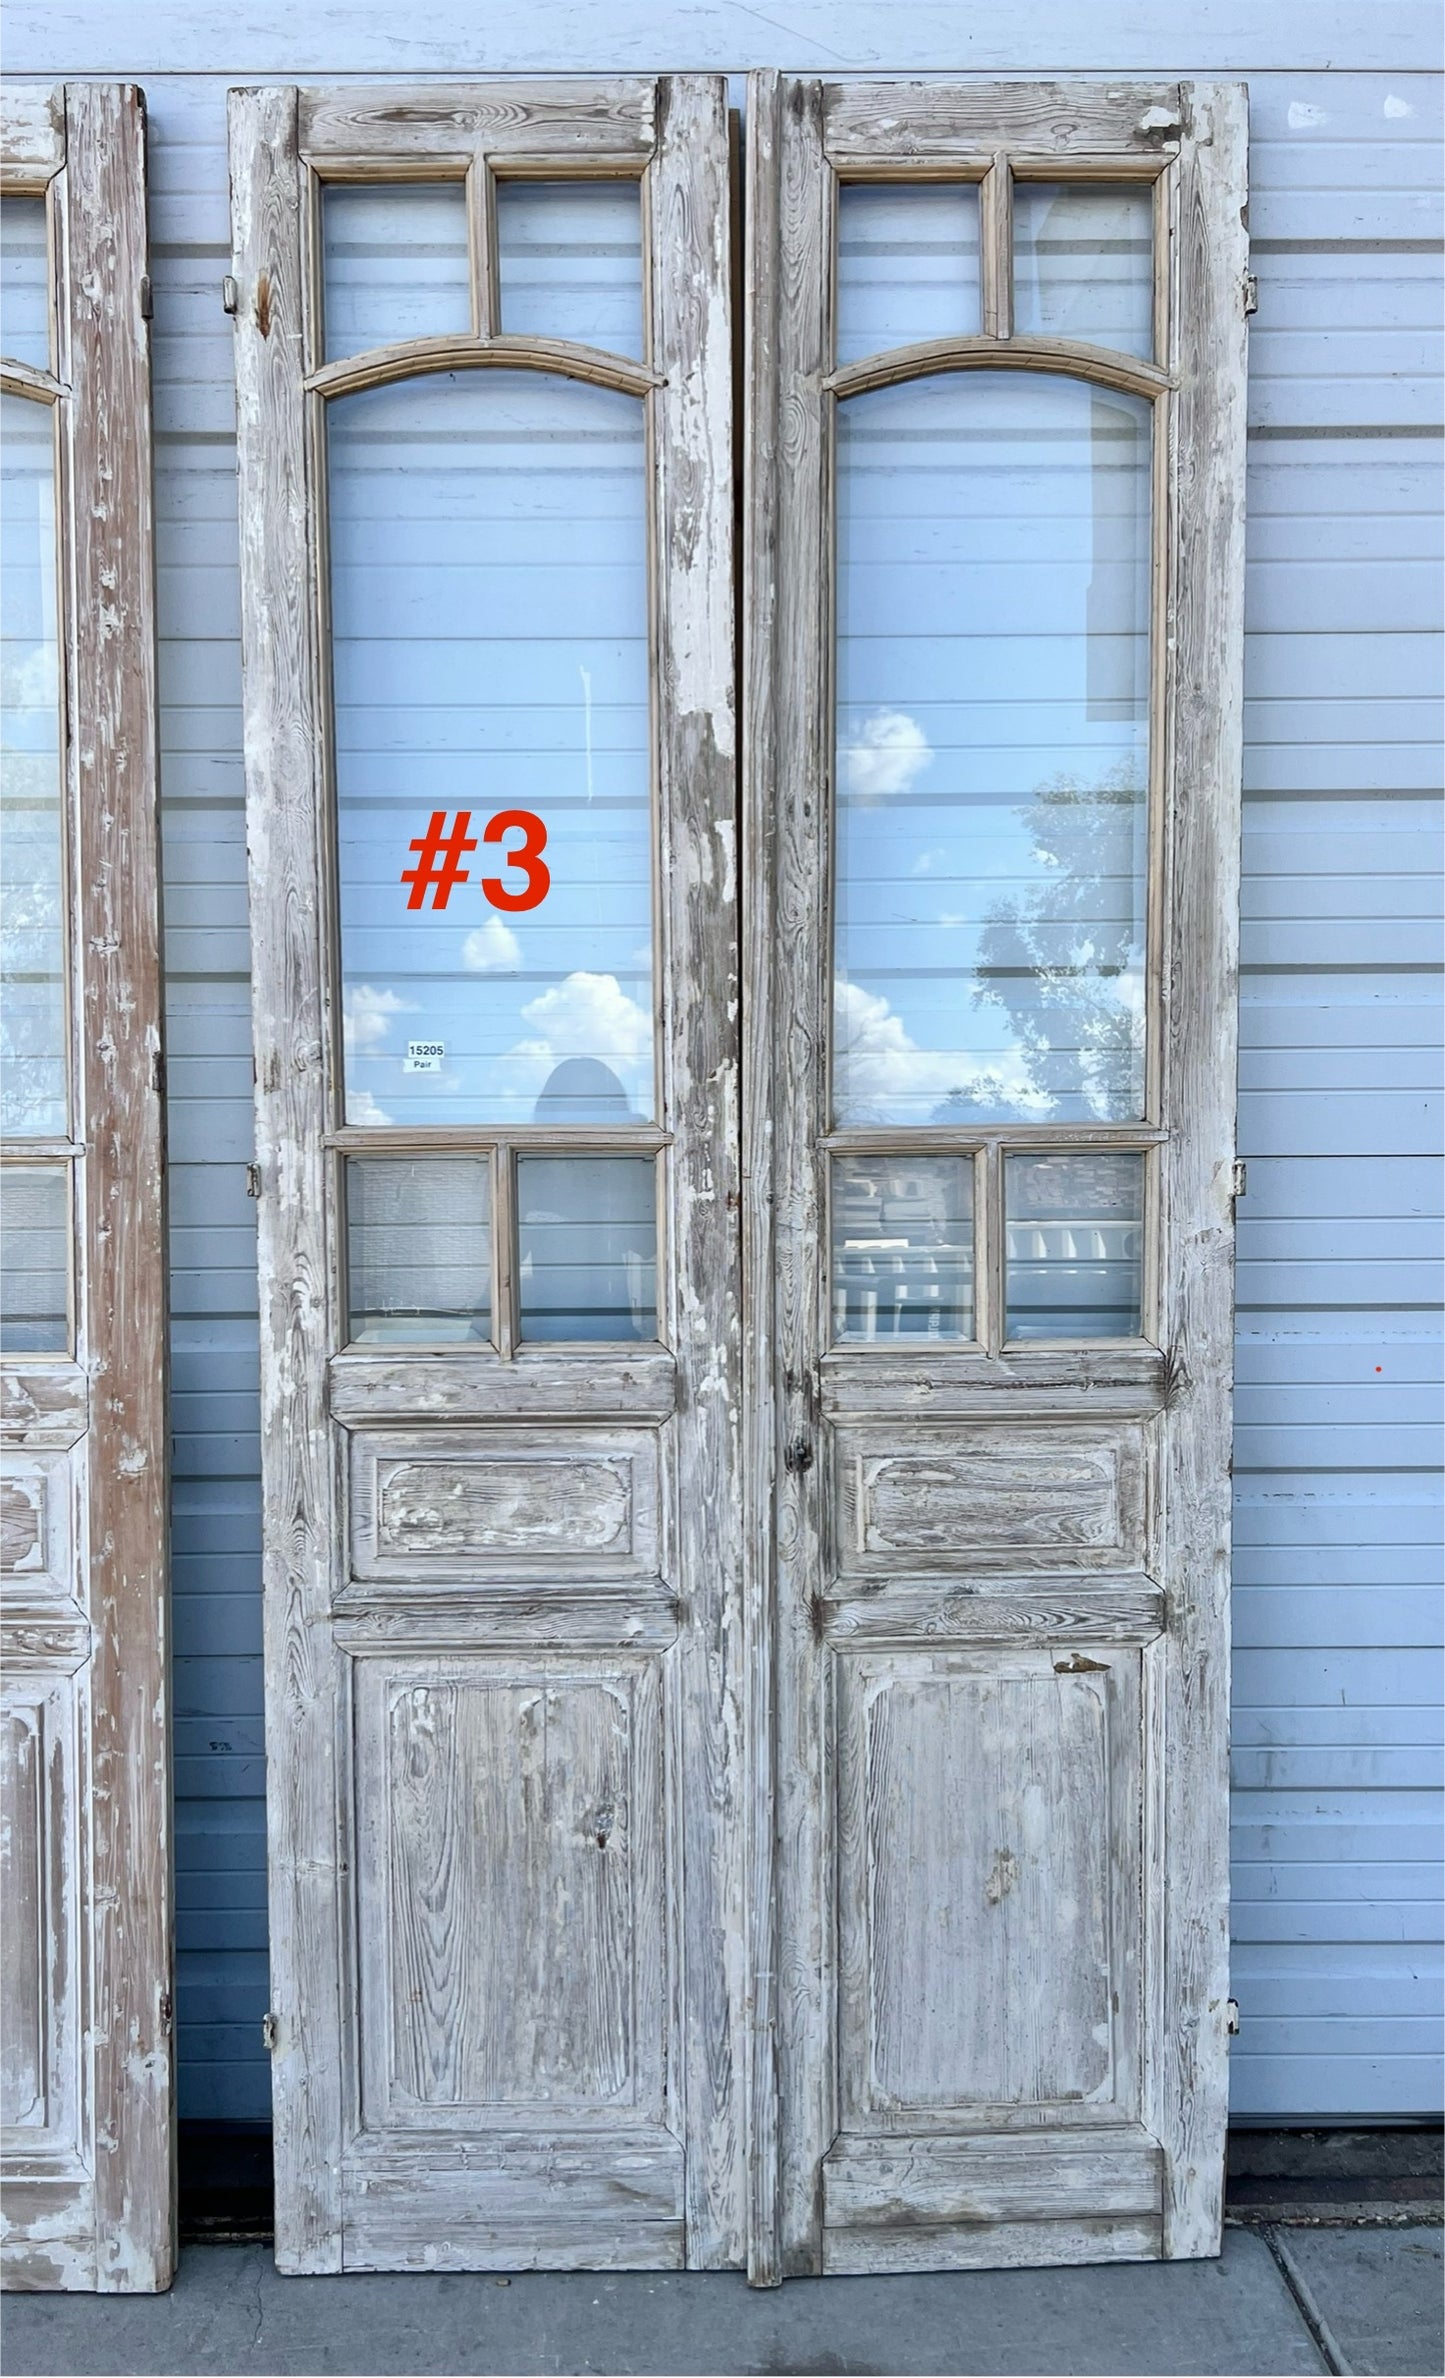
[(32, 901), (992, 751), (490, 662)]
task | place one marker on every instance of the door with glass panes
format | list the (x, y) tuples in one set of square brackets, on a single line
[(743, 1590)]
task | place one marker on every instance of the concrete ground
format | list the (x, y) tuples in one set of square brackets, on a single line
[(1280, 2300)]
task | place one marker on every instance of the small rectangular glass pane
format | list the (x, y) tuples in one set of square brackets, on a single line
[(569, 260), (1084, 263), (907, 265), (1074, 1237), (35, 1259), (396, 263), (992, 751), (587, 1248), (902, 1248), (490, 673), (419, 1244), (24, 282), (33, 1102)]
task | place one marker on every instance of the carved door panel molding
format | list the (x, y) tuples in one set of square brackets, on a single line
[(88, 2159), (993, 597)]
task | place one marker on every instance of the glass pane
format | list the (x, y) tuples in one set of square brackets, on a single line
[(993, 690), (32, 904), (35, 1259), (907, 266), (1075, 1230), (902, 1247), (419, 1243), (24, 282), (569, 257), (587, 1247), (396, 264), (1084, 263), (490, 659)]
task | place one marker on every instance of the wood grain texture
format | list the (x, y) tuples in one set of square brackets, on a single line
[(414, 358), (891, 126), (962, 1498), (300, 1504), (1187, 1872), (689, 210), (89, 2172), (993, 2245), (991, 2176), (529, 1503), (446, 1387), (124, 1272), (32, 135), (999, 353), (565, 124)]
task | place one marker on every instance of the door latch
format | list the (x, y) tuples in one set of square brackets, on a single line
[(1231, 2017), (270, 2030)]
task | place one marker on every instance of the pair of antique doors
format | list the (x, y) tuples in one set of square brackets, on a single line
[(746, 1232)]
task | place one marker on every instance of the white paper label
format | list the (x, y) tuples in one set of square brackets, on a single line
[(424, 1056)]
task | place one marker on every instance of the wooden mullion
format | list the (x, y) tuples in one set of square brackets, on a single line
[(996, 235)]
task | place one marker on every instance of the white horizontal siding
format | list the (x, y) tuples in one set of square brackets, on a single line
[(1337, 1724)]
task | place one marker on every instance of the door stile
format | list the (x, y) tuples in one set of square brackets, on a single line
[(1189, 1872), (690, 208), (300, 1502), (786, 765)]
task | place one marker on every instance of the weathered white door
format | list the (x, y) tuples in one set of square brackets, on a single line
[(994, 603), (484, 376), (86, 2111)]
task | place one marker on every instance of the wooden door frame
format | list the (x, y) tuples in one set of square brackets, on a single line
[(801, 135), (104, 2216), (671, 133)]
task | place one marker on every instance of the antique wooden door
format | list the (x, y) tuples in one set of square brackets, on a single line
[(994, 602), (85, 1969), (484, 375)]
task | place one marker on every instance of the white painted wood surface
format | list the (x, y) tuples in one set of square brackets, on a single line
[(1335, 1758), (88, 2064)]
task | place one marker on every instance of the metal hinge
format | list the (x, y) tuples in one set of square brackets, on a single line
[(230, 293), (270, 2030), (166, 2010), (1250, 293), (1239, 1178), (158, 1074), (253, 1180), (1231, 2017), (147, 298)]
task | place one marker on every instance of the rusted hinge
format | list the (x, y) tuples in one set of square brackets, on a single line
[(253, 1180), (1250, 293), (1231, 2017), (1239, 1178), (270, 2029)]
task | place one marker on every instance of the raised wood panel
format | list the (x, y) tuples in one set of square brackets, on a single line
[(510, 1892), (43, 1403), (40, 1849), (994, 2245), (530, 1502), (38, 1526), (910, 2183), (1059, 1497), (990, 1901)]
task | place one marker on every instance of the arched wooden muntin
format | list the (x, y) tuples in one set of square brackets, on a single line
[(359, 2183), (84, 1622), (861, 1657)]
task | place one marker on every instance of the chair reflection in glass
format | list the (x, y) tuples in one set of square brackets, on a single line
[(587, 1225)]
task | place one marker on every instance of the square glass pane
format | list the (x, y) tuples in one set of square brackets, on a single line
[(902, 1247), (569, 262), (907, 265), (587, 1248), (33, 1101), (1074, 1239), (490, 650), (1084, 263), (419, 1243), (396, 263), (992, 756), (24, 282), (35, 1259)]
